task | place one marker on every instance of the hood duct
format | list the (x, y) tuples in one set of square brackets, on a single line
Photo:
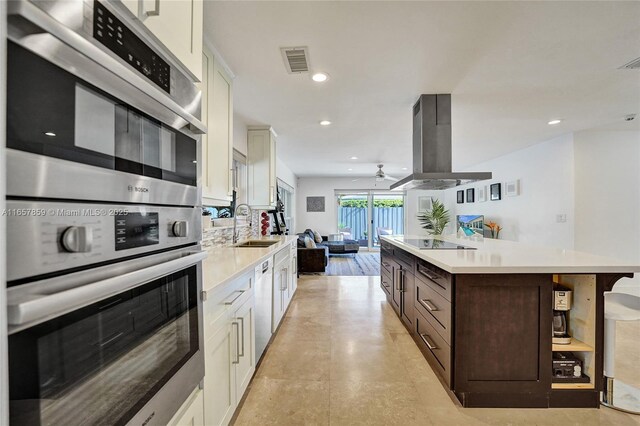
[(432, 148)]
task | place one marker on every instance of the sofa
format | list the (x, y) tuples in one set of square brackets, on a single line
[(316, 259), (311, 259)]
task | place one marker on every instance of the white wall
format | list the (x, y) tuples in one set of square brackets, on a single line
[(412, 225), (327, 222), (607, 196), (546, 179), (284, 173), (239, 134)]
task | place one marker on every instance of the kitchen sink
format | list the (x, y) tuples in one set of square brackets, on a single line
[(257, 243)]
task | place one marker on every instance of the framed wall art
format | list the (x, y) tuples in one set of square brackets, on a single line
[(424, 204), (315, 204), (512, 189), (471, 195), (496, 192), (481, 194)]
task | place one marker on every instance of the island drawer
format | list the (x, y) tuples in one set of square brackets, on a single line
[(386, 246), (385, 281), (434, 347), (436, 278), (405, 260), (435, 308), (386, 264)]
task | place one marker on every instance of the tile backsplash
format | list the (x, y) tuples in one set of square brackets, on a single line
[(222, 233)]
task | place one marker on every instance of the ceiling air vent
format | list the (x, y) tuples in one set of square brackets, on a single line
[(633, 65), (295, 59)]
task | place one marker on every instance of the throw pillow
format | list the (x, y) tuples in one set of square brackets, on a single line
[(309, 243), (317, 237)]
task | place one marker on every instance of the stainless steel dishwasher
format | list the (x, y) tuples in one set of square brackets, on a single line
[(263, 295)]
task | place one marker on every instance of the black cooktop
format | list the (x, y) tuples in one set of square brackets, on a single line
[(431, 244)]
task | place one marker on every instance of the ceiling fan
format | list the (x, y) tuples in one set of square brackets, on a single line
[(381, 175)]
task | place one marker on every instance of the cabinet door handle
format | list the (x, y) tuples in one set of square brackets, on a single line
[(230, 302), (427, 304), (286, 278), (241, 341), (155, 11), (295, 264), (237, 361), (401, 281), (433, 277), (425, 339)]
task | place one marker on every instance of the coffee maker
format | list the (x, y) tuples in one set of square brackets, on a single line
[(561, 307)]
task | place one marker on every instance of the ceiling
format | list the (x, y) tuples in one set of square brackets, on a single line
[(510, 67)]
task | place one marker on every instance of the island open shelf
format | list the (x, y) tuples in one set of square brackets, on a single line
[(575, 346), (582, 326), (572, 385)]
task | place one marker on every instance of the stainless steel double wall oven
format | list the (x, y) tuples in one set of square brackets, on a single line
[(103, 218)]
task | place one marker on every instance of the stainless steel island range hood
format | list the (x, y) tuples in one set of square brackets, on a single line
[(432, 148)]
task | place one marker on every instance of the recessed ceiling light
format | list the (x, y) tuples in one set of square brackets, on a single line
[(50, 134), (350, 170), (325, 122), (552, 122), (319, 77), (194, 161), (354, 158), (405, 168)]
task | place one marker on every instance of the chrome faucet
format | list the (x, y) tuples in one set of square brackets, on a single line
[(235, 220)]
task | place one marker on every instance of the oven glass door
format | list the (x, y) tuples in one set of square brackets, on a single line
[(53, 113), (101, 364)]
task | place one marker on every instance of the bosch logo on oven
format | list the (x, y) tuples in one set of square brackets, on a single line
[(132, 188)]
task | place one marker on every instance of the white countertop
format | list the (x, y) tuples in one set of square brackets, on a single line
[(226, 263), (499, 256)]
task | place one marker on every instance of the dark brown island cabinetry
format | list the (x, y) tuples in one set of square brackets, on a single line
[(398, 281), (488, 336)]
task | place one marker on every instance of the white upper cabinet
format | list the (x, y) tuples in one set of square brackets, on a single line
[(261, 167), (177, 24), (217, 144)]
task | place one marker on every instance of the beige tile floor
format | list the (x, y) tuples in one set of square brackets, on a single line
[(342, 357)]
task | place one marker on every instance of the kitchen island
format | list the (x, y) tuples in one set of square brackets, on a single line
[(482, 316)]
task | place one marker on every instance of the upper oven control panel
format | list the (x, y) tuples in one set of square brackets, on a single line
[(54, 237), (112, 33)]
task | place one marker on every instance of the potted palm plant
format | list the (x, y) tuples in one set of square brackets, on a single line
[(435, 219)]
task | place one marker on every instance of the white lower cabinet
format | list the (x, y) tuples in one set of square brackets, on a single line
[(284, 285), (219, 378), (278, 300), (293, 270), (192, 411), (229, 347), (246, 360)]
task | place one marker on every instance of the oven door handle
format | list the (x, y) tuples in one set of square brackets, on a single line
[(35, 308)]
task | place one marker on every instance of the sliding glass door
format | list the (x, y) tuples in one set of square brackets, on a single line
[(364, 216), (353, 217), (387, 216)]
